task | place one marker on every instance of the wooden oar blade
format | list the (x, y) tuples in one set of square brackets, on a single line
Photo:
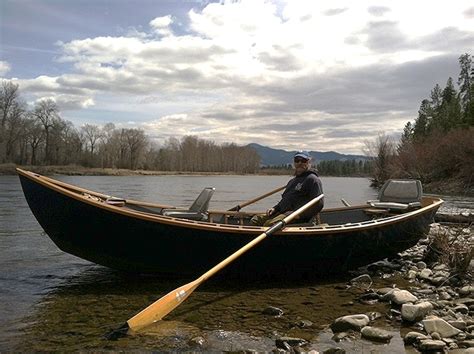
[(163, 306)]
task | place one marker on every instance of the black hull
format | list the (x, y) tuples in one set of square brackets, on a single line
[(132, 244)]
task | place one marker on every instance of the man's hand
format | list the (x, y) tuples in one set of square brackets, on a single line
[(270, 211)]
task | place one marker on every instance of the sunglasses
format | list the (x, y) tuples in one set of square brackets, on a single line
[(299, 159)]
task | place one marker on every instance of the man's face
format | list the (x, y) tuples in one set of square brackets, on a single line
[(301, 165)]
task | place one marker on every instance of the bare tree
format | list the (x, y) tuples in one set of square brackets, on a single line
[(35, 137), (137, 142), (106, 147), (8, 98), (92, 134), (46, 111), (382, 152)]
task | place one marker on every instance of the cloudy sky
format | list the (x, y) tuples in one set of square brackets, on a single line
[(318, 75)]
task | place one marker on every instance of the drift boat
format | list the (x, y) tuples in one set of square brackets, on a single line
[(145, 237)]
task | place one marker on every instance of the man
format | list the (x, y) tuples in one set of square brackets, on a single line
[(305, 186)]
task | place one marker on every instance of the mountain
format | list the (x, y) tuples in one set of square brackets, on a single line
[(277, 157)]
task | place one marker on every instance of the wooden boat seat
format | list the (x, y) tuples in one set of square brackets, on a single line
[(197, 211), (399, 195)]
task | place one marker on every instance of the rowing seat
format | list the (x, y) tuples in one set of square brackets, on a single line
[(197, 211), (399, 195)]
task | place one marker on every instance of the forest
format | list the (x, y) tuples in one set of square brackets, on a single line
[(40, 136), (438, 146)]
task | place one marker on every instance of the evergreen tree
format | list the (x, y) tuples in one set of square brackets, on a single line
[(424, 122), (435, 106), (466, 90), (450, 110)]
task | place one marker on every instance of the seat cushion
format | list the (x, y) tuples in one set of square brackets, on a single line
[(395, 206), (184, 214)]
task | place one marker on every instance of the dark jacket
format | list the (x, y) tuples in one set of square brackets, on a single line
[(299, 191)]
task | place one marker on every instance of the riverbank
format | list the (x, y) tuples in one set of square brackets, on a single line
[(446, 187), (75, 170), (429, 306)]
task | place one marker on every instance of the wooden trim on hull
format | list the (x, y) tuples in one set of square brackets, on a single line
[(67, 189)]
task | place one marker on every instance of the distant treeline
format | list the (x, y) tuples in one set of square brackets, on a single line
[(439, 144), (39, 136), (345, 168), (337, 168)]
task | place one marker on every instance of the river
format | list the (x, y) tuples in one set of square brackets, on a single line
[(52, 301)]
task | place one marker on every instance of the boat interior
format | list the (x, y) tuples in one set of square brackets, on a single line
[(395, 197)]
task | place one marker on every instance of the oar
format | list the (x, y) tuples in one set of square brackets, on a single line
[(163, 306), (240, 206), (345, 202)]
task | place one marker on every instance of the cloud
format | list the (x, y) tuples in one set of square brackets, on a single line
[(333, 12), (4, 67), (469, 13), (235, 71), (161, 25), (378, 11)]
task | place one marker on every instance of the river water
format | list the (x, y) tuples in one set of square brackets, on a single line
[(52, 301)]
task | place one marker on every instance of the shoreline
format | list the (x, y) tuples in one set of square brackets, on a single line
[(449, 187)]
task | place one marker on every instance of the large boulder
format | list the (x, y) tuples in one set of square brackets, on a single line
[(416, 312), (350, 322)]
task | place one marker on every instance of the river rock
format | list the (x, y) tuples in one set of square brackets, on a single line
[(340, 336), (363, 281), (438, 280), (290, 341), (466, 290), (436, 324), (425, 274), (354, 322), (462, 309), (459, 324), (385, 291), (468, 343), (304, 323), (412, 337), (444, 295), (431, 345), (197, 341), (412, 274), (421, 265), (441, 267), (335, 350), (273, 311), (401, 297), (415, 313), (465, 300), (373, 315), (376, 334)]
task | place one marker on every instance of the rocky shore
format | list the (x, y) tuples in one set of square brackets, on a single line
[(435, 313)]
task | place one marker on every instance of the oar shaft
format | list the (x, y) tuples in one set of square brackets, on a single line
[(263, 196), (278, 226), (170, 301)]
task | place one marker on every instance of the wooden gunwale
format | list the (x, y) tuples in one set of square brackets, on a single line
[(72, 192)]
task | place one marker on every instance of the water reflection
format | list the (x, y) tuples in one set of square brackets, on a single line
[(228, 313)]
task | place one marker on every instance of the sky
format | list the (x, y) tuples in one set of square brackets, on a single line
[(314, 75)]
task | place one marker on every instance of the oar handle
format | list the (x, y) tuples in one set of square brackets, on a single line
[(240, 206), (274, 228)]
